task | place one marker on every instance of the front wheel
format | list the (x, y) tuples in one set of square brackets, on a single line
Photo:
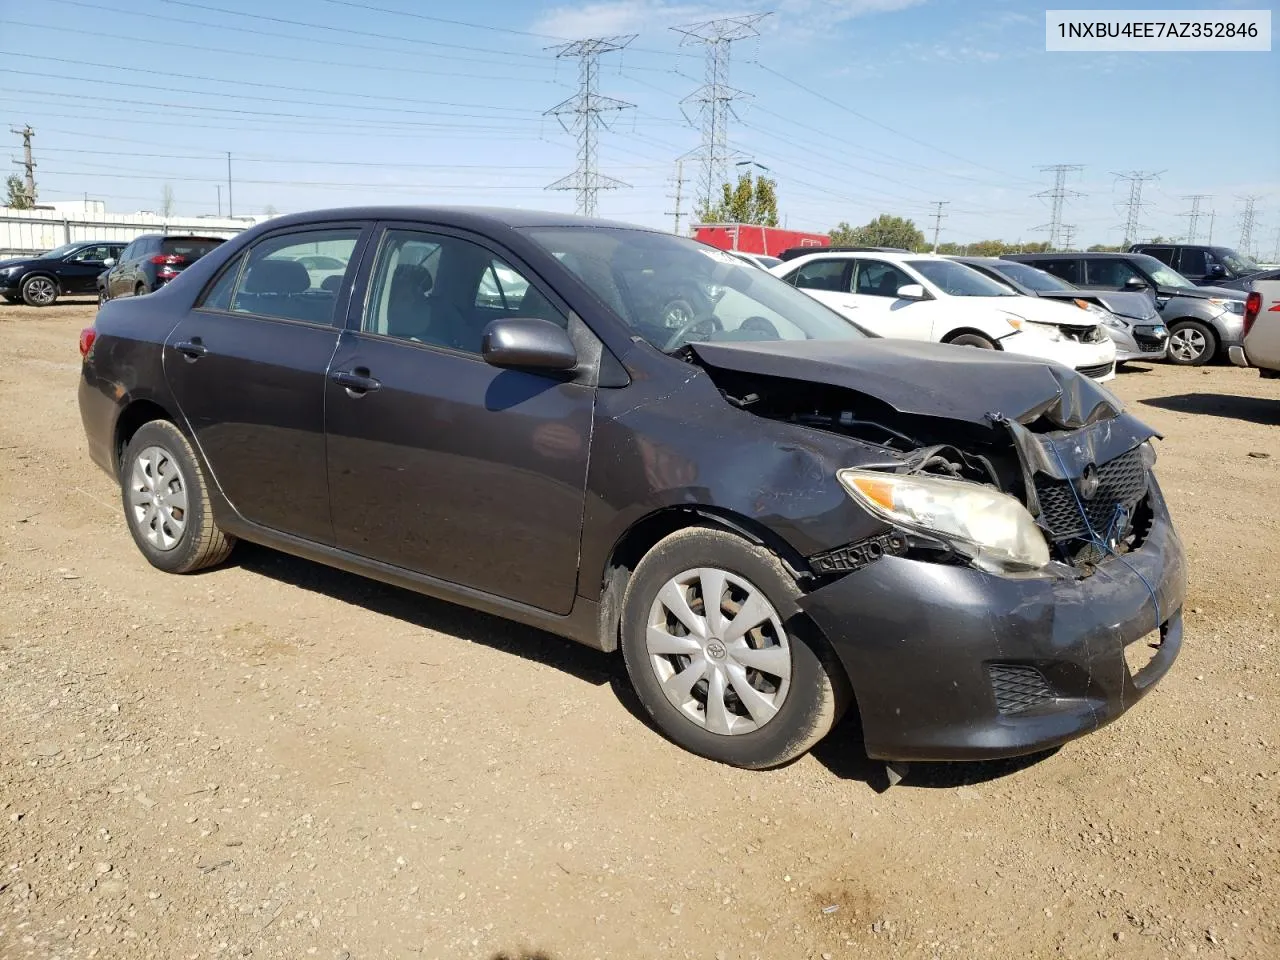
[(720, 654), (166, 501), (39, 291), (972, 340), (1191, 343)]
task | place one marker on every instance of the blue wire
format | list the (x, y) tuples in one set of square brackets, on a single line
[(1105, 544)]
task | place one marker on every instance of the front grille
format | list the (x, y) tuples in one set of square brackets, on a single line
[(1122, 482), (1096, 371), (1147, 339), (1017, 687)]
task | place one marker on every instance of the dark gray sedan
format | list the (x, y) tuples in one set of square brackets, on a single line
[(770, 514)]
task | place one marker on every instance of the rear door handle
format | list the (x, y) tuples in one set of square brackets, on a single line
[(192, 349), (357, 382)]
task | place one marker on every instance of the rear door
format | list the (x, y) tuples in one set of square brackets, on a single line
[(248, 368), (828, 281), (115, 278), (438, 462)]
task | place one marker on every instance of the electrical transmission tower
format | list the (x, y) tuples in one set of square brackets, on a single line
[(714, 99), (1068, 236), (1193, 215), (1133, 221), (1275, 250), (938, 217), (678, 196), (27, 163), (1213, 216), (1057, 194), (1247, 222), (585, 112)]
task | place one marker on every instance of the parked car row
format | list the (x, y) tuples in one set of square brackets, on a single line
[(109, 268)]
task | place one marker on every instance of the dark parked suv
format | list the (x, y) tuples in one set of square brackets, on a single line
[(1202, 265), (151, 261), (1203, 322), (769, 513), (67, 270)]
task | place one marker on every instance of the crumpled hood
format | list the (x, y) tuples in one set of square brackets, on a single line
[(1123, 303), (927, 379)]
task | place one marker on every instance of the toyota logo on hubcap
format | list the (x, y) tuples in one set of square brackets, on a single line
[(716, 650)]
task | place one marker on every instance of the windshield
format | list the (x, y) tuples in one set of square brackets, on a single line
[(1163, 275), (1239, 263), (1031, 278), (58, 252), (957, 280), (673, 291)]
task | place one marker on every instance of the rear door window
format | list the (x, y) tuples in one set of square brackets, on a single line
[(1194, 262), (1163, 254), (1066, 269), (823, 275), (188, 248), (275, 283), (879, 279), (1111, 273)]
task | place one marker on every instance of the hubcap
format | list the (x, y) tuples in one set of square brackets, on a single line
[(717, 647), (1187, 343), (40, 290), (158, 498)]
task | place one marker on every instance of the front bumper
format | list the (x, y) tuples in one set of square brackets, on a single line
[(1142, 341), (919, 641), (1095, 360)]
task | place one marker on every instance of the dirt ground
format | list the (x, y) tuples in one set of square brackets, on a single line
[(274, 759)]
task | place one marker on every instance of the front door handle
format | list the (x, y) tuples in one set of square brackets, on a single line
[(191, 350), (357, 382)]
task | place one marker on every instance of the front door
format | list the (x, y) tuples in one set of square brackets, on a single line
[(79, 272), (438, 462), (247, 366), (875, 287)]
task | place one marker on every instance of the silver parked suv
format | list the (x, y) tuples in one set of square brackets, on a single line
[(1203, 322)]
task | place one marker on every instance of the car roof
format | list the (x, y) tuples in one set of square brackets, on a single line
[(890, 256), (1096, 255), (474, 216)]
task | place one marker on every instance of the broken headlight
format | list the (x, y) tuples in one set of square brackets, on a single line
[(991, 528)]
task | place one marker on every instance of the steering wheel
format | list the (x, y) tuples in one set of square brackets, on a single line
[(679, 336), (758, 324)]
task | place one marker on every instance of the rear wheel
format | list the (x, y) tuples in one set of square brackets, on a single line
[(972, 340), (720, 654), (139, 290), (166, 501), (39, 291), (1191, 343)]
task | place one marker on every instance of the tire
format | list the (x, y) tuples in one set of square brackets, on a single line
[(1191, 343), (789, 713), (39, 291), (972, 340), (184, 544)]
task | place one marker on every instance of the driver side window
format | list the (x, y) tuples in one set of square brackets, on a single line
[(879, 279), (1110, 273)]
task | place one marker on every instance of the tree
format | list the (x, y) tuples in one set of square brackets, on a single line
[(884, 231), (166, 201), (751, 200), (18, 198)]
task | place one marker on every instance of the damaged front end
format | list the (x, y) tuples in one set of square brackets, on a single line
[(1031, 470)]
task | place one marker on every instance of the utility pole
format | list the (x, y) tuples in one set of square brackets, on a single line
[(230, 209), (585, 111), (1057, 194), (1132, 223), (714, 99), (219, 188), (937, 221), (27, 163), (1247, 221), (1193, 215), (1213, 215), (1275, 251), (679, 183)]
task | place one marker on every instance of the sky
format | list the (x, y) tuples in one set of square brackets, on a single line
[(855, 107)]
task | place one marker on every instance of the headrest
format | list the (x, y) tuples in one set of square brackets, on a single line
[(277, 276)]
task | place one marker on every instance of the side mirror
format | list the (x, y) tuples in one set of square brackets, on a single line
[(525, 343), (1217, 270), (109, 262), (911, 291), (1135, 283)]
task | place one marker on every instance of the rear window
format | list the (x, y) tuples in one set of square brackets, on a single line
[(187, 247)]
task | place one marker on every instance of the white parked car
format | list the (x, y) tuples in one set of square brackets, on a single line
[(1261, 346), (912, 296), (761, 260)]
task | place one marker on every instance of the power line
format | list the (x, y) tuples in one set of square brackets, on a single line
[(1193, 215), (586, 109), (1058, 195), (1134, 205), (455, 23), (715, 97)]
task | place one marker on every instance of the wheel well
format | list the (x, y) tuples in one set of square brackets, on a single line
[(46, 275), (640, 538), (131, 420), (974, 332), (1208, 325)]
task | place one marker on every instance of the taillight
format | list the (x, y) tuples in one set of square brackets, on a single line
[(1252, 306), (87, 336), (160, 258)]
